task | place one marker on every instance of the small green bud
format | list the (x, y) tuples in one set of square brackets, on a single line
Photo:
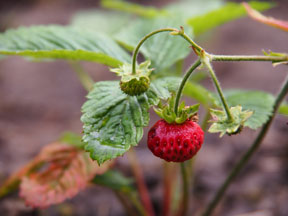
[(134, 84)]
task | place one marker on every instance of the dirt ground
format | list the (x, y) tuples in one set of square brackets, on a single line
[(39, 101)]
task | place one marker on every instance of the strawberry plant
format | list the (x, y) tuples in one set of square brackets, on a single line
[(116, 112)]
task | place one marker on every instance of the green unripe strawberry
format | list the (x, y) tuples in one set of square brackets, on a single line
[(134, 83), (135, 86)]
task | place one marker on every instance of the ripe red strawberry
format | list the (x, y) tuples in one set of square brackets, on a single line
[(175, 142)]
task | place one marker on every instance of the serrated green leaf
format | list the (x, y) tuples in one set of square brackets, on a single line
[(108, 22), (228, 12), (115, 181), (59, 42), (163, 49), (141, 10), (260, 103), (114, 121)]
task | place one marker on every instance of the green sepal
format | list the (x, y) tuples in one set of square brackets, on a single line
[(134, 84), (167, 113), (224, 125)]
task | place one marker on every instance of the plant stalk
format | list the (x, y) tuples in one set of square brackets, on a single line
[(247, 58), (167, 192), (143, 191), (206, 61), (177, 32), (245, 158), (183, 82), (183, 208)]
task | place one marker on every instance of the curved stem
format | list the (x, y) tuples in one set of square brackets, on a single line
[(182, 84), (247, 58), (177, 32), (245, 158), (206, 61)]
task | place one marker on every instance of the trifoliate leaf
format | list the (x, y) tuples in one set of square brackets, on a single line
[(224, 125), (114, 121)]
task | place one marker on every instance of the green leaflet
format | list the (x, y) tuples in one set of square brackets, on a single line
[(192, 8), (141, 10), (115, 181), (72, 139), (114, 121), (59, 42), (108, 22), (260, 103), (228, 12), (162, 49), (199, 93)]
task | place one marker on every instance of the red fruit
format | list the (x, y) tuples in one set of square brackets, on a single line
[(175, 142)]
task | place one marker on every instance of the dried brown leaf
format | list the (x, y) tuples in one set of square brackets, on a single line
[(64, 172)]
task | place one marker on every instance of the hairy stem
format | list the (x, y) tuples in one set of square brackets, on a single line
[(183, 207), (83, 77), (248, 58), (144, 194), (245, 158), (206, 61), (183, 82), (177, 32)]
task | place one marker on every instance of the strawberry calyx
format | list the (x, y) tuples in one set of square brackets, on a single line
[(134, 84), (184, 113)]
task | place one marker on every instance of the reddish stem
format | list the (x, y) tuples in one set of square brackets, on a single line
[(144, 195), (167, 189)]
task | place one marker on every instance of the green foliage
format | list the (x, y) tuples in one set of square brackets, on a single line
[(108, 22), (260, 103), (227, 13), (72, 139), (192, 8), (114, 121), (115, 181), (121, 5), (163, 49), (199, 93), (59, 42)]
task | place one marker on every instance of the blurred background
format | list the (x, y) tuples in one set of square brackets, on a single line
[(39, 101)]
